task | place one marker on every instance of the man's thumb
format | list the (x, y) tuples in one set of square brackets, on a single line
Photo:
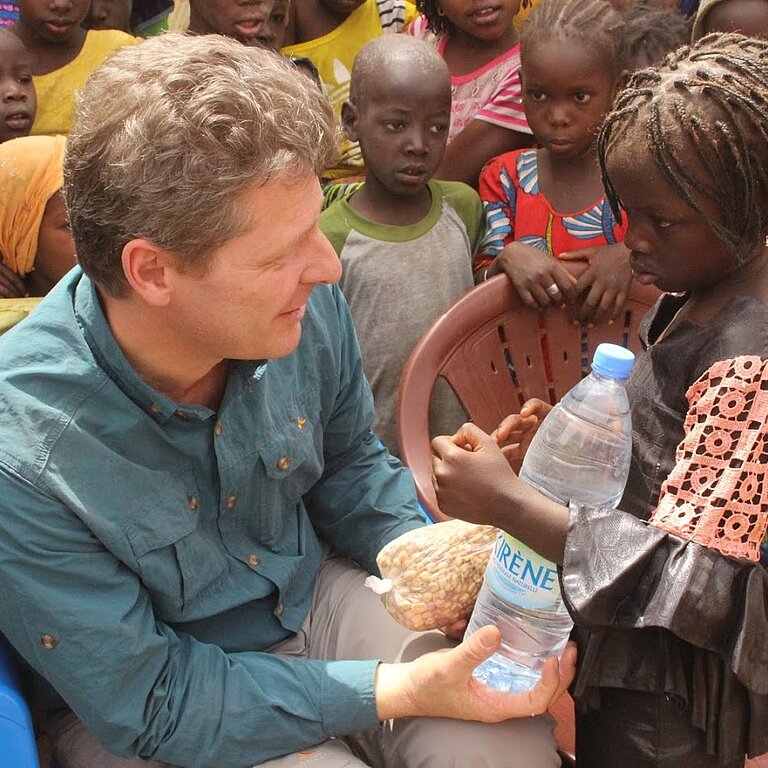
[(479, 646)]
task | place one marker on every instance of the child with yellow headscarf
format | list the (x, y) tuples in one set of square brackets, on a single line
[(36, 246)]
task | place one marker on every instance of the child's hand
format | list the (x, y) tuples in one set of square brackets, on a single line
[(606, 281), (516, 431), (11, 285), (538, 278)]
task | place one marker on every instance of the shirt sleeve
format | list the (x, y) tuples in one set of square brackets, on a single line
[(85, 622), (365, 497), (499, 196), (505, 108), (466, 202)]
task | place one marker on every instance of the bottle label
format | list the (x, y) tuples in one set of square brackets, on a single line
[(521, 576)]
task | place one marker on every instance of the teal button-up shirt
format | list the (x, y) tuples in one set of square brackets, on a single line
[(149, 550)]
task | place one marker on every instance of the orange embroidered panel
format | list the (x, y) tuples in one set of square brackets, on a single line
[(717, 494)]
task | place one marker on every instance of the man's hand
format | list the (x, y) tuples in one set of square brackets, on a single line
[(515, 432), (538, 277), (11, 285), (440, 684), (606, 281)]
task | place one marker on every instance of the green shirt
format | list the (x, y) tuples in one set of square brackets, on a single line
[(149, 550)]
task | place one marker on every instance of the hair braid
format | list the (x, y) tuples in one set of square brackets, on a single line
[(595, 22), (704, 116)]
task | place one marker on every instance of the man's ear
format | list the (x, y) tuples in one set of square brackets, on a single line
[(147, 269), (349, 119)]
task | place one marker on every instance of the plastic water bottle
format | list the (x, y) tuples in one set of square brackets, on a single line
[(581, 452)]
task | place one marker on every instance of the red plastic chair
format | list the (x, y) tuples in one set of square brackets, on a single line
[(496, 353)]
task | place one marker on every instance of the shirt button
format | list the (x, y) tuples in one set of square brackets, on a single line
[(254, 561), (218, 429), (48, 642), (192, 502), (283, 463), (155, 408), (280, 608), (230, 502)]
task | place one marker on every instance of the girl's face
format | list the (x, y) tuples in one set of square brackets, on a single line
[(672, 246), (18, 100), (55, 247), (488, 20), (109, 14), (54, 20), (567, 90), (242, 20)]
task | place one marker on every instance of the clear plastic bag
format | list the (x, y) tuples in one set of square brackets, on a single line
[(431, 576)]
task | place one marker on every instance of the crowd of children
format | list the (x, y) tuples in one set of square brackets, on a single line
[(468, 148)]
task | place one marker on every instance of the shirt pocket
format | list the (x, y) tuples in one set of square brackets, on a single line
[(177, 562), (292, 465)]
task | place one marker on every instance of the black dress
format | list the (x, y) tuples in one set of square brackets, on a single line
[(657, 615)]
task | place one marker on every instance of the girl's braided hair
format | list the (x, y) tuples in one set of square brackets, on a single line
[(705, 108), (595, 23)]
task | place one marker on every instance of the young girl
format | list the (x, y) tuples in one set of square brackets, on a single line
[(670, 614), (479, 43), (36, 247), (64, 53), (549, 204)]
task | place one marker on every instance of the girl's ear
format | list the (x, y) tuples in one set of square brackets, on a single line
[(349, 119), (621, 81)]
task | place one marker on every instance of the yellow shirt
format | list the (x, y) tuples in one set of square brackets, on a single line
[(526, 6), (334, 53), (56, 90)]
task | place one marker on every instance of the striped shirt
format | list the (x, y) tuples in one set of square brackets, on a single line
[(492, 93), (9, 13)]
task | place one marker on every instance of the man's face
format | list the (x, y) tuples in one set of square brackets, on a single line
[(240, 19), (250, 301)]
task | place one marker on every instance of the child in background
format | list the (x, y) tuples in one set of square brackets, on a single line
[(543, 205), (650, 33), (232, 18), (479, 44), (330, 33), (35, 240), (18, 101), (405, 241), (670, 616), (64, 55), (109, 14), (747, 17)]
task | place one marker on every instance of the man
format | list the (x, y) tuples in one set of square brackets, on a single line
[(185, 433)]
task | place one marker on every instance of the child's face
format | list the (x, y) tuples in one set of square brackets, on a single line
[(18, 100), (488, 20), (672, 246), (567, 90), (748, 17), (402, 126), (55, 246), (109, 14), (242, 20), (54, 20), (273, 29)]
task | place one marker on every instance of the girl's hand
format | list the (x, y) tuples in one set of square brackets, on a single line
[(606, 281), (515, 432), (538, 278), (11, 285), (440, 684), (467, 467)]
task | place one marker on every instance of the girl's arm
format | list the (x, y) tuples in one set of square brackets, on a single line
[(466, 155)]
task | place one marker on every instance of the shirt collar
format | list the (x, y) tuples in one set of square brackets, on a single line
[(98, 335)]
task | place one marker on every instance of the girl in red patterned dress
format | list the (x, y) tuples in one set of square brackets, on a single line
[(546, 204)]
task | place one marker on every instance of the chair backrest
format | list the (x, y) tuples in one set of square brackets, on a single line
[(17, 738), (496, 353)]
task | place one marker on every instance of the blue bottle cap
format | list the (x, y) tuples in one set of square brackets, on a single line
[(613, 361)]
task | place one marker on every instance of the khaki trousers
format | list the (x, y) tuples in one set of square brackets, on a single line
[(347, 621)]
